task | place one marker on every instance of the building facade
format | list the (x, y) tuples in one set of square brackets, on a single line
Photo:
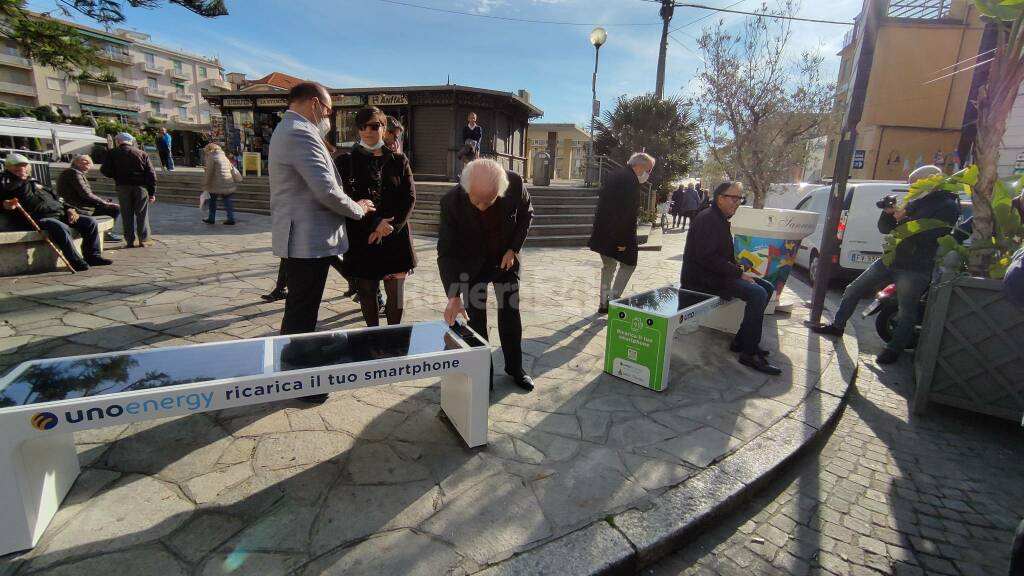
[(571, 145), (433, 117), (918, 90), (138, 80)]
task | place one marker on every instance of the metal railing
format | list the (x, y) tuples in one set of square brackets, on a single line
[(920, 9), (39, 161), (120, 58), (108, 102), (12, 60), (15, 88)]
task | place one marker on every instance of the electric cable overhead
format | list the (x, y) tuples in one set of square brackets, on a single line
[(728, 10), (513, 19)]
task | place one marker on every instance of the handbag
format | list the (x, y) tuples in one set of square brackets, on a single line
[(203, 199), (236, 176)]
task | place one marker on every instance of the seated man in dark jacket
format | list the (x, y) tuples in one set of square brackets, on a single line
[(73, 186), (51, 213), (709, 265), (911, 266)]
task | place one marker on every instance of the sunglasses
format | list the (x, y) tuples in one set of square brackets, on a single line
[(371, 126)]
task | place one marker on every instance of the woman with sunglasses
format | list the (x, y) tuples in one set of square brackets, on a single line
[(380, 245)]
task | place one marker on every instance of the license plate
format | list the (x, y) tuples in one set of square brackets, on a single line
[(863, 258)]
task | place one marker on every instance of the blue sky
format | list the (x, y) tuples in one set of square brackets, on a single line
[(357, 43)]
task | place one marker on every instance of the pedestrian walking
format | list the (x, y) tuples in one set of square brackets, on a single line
[(614, 234), (691, 204), (472, 137), (484, 223), (163, 149), (308, 207), (219, 180), (380, 245), (677, 205), (393, 136), (135, 182)]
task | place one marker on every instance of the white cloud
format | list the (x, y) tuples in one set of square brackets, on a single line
[(244, 55)]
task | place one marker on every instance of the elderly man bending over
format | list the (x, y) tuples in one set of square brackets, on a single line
[(484, 223), (73, 185)]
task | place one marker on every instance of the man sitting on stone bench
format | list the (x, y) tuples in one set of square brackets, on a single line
[(52, 214), (709, 265), (73, 186)]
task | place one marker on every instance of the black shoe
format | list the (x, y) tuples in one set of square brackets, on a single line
[(760, 364), (827, 330), (888, 356), (602, 309), (735, 346), (229, 222), (523, 380), (356, 298), (349, 294), (314, 399), (275, 295), (98, 261), (207, 221), (79, 265), (111, 237)]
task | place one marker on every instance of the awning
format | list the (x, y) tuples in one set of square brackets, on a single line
[(106, 110), (104, 37), (45, 134)]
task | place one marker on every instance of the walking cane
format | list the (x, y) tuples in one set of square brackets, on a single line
[(45, 237)]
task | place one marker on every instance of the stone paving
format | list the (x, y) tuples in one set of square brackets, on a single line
[(373, 481), (888, 494)]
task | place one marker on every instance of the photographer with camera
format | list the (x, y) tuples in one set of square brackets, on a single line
[(911, 266)]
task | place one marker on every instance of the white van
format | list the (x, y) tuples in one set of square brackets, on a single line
[(860, 242)]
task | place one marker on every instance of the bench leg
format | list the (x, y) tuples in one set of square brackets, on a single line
[(34, 478), (465, 398)]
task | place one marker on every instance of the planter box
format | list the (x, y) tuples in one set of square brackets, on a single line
[(971, 354)]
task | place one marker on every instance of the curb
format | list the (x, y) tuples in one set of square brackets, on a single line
[(631, 540)]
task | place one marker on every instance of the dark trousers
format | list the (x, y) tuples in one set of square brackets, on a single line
[(306, 278), (166, 159), (510, 324), (756, 295), (1017, 552), (282, 271), (60, 234), (111, 210), (134, 201)]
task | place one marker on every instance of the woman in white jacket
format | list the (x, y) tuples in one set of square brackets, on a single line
[(219, 180)]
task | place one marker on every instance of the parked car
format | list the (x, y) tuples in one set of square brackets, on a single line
[(860, 242)]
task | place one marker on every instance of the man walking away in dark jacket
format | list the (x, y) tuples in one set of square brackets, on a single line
[(614, 235), (709, 265), (51, 214), (677, 205), (73, 186), (135, 180), (911, 268)]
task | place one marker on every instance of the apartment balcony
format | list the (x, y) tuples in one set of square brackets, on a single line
[(156, 116), (116, 83), (180, 96), (117, 58), (108, 102), (184, 120), (16, 61), (15, 88), (153, 93), (217, 83), (178, 75), (920, 9), (152, 68)]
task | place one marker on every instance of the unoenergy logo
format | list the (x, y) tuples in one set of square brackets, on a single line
[(44, 420)]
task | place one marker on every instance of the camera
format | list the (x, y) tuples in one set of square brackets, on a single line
[(887, 202)]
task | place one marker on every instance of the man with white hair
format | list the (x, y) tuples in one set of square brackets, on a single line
[(484, 223), (135, 182), (614, 234), (934, 213), (73, 186)]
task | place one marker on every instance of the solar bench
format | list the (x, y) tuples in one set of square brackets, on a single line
[(42, 402)]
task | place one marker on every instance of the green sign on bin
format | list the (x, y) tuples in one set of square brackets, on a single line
[(635, 349)]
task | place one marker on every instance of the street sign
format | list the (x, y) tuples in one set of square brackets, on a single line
[(858, 159)]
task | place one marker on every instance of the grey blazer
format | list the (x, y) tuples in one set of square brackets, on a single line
[(307, 204)]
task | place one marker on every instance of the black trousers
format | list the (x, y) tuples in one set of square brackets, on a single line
[(306, 279), (510, 323), (282, 271), (112, 210)]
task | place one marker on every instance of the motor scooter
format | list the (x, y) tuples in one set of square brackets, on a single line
[(887, 308)]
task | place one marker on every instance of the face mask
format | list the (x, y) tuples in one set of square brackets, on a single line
[(324, 125), (643, 177), (377, 146)]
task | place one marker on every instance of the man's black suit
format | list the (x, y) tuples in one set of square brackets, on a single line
[(467, 268)]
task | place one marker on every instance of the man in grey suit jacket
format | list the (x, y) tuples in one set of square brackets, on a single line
[(307, 204)]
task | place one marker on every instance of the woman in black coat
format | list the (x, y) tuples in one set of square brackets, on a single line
[(380, 245)]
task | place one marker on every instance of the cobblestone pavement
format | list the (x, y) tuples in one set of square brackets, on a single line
[(373, 481), (887, 494)]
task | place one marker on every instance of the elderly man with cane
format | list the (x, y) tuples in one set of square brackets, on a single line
[(46, 211)]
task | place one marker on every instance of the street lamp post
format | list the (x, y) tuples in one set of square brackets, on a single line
[(598, 36)]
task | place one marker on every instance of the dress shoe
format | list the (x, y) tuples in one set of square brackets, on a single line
[(229, 222), (523, 380), (737, 347), (760, 364), (888, 356), (98, 261), (79, 265), (205, 221), (314, 399), (275, 295), (111, 237), (827, 330)]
